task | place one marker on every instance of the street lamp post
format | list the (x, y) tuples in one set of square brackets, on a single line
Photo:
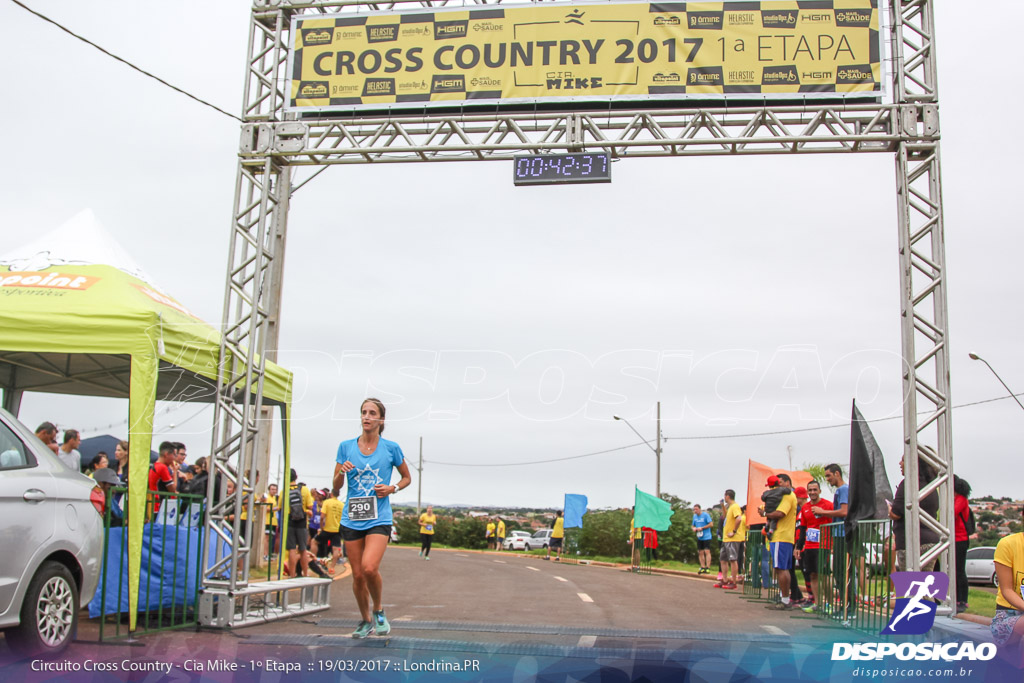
[(656, 449), (975, 356)]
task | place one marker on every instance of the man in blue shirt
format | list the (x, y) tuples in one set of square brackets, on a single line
[(702, 529), (840, 500), (840, 553)]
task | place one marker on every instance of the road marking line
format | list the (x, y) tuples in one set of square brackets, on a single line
[(774, 630), (585, 598), (402, 619), (534, 569), (460, 555), (587, 641), (561, 579), (501, 561)]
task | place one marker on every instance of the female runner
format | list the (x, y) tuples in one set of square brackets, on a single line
[(366, 464), (427, 521)]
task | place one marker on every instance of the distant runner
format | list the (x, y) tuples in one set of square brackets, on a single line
[(702, 530), (427, 521), (557, 534)]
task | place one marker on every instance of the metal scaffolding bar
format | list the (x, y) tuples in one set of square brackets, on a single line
[(927, 436)]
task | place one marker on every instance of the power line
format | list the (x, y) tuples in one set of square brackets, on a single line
[(164, 411), (694, 438), (187, 419), (533, 462), (815, 429), (125, 61)]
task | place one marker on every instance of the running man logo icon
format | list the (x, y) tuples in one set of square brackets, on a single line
[(574, 17), (914, 613)]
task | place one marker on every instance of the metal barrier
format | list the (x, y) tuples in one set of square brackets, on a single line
[(752, 580), (571, 546), (853, 575), (640, 562), (264, 511), (758, 578), (176, 601)]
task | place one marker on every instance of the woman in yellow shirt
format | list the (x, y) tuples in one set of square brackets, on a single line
[(427, 522), (1007, 624)]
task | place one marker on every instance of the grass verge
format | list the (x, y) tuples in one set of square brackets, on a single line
[(981, 603)]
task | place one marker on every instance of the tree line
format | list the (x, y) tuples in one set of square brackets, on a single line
[(605, 533)]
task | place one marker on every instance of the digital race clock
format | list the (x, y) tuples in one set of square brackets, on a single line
[(556, 169)]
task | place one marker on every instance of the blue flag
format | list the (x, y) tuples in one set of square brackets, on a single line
[(575, 508)]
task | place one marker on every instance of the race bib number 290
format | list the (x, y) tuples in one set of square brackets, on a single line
[(362, 509)]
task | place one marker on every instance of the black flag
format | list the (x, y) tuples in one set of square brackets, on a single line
[(869, 485)]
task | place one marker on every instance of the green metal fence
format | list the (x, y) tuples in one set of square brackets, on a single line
[(758, 584), (640, 561), (176, 600), (571, 546), (853, 575), (263, 511), (753, 550)]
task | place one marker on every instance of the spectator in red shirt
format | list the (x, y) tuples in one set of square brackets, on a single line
[(162, 477), (650, 543), (962, 513)]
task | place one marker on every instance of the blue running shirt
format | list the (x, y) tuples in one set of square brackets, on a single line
[(841, 496), (700, 520), (370, 470)]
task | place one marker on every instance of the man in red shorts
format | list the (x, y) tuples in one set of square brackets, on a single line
[(807, 553)]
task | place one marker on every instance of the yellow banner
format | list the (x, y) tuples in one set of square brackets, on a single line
[(661, 51)]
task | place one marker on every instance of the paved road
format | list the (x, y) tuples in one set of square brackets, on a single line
[(502, 589), (508, 610)]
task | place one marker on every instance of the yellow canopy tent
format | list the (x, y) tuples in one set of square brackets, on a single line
[(73, 324)]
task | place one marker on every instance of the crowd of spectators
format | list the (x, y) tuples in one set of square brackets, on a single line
[(314, 539)]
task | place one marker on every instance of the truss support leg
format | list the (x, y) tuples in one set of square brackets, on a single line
[(261, 202), (926, 387)]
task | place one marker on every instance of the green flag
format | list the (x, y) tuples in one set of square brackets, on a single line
[(652, 512)]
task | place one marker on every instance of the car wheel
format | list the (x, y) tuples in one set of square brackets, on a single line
[(49, 614), (995, 579)]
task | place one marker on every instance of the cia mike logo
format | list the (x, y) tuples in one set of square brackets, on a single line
[(366, 479), (914, 612)]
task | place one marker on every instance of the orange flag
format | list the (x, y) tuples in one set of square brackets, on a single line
[(757, 478)]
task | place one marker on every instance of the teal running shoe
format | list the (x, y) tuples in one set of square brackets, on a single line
[(380, 623), (364, 629)]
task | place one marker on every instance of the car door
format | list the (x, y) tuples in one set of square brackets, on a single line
[(27, 503), (979, 566)]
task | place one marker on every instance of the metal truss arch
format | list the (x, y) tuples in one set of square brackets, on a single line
[(274, 143)]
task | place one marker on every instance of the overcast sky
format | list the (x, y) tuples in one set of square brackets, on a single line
[(507, 325)]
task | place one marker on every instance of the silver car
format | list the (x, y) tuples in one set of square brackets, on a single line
[(52, 540), (980, 566), (540, 539)]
